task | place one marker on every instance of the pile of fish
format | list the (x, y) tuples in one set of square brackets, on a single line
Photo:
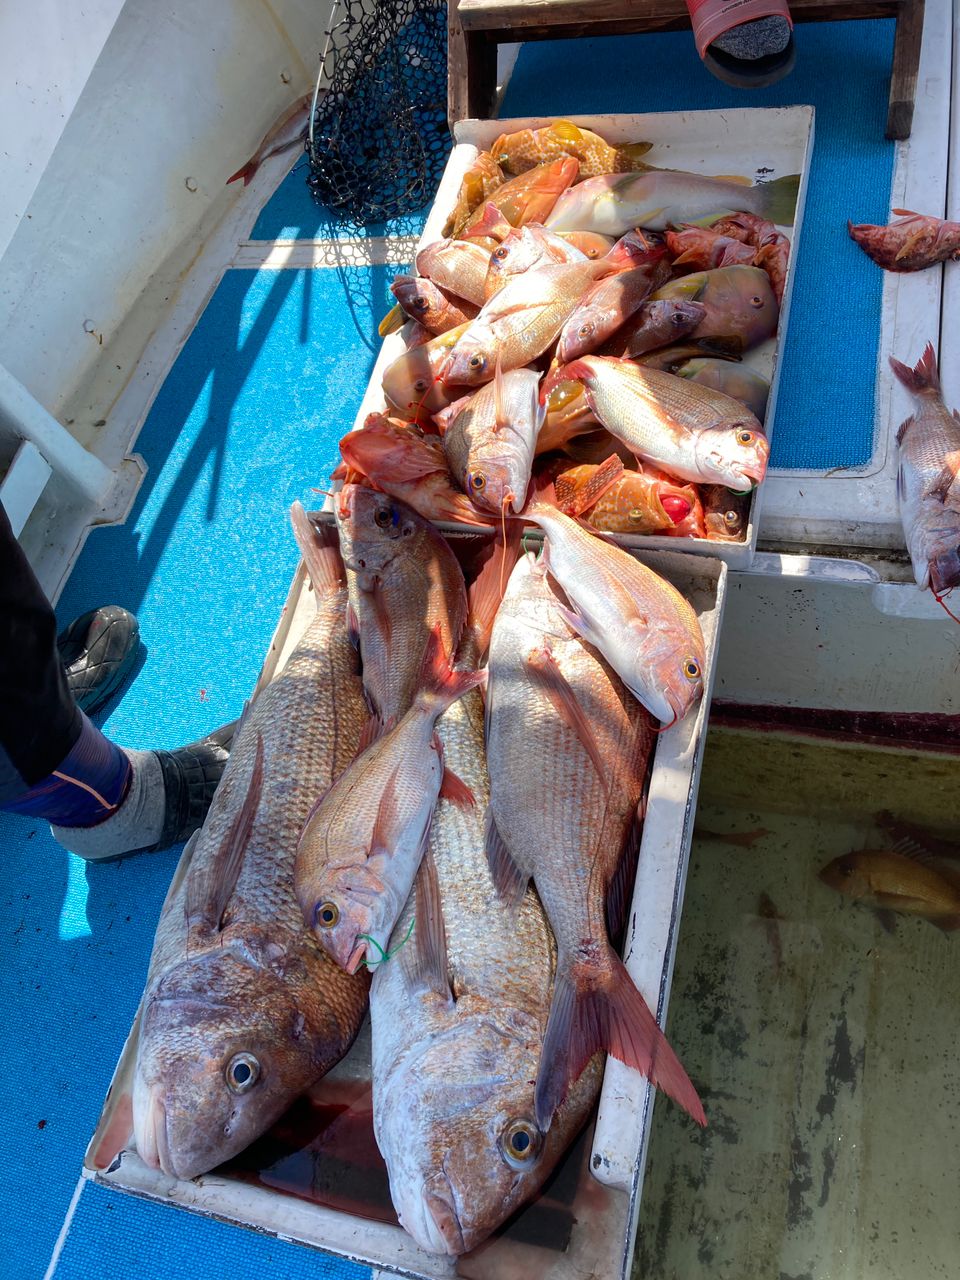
[(578, 337), (466, 833)]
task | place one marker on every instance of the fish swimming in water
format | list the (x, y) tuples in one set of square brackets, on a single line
[(568, 824), (520, 151), (403, 581), (927, 479), (363, 842), (691, 431), (242, 1010), (914, 241), (667, 197), (892, 881)]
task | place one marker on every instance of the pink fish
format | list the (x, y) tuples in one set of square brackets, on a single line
[(914, 241)]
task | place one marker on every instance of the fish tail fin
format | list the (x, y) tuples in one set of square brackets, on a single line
[(440, 683), (778, 199), (320, 547), (923, 377), (600, 1008), (486, 590), (629, 157), (246, 172)]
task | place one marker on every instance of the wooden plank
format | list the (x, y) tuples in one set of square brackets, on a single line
[(509, 15), (906, 62)]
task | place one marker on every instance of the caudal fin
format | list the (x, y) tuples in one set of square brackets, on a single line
[(596, 1009), (778, 199), (246, 172), (439, 682), (320, 547), (923, 377)]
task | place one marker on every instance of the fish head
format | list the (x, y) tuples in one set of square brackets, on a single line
[(352, 913), (456, 1128), (518, 252), (669, 661), (725, 514), (847, 876), (733, 454), (224, 1050), (472, 360), (374, 530)]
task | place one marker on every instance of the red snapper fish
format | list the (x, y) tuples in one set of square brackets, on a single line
[(927, 481), (914, 241), (571, 824)]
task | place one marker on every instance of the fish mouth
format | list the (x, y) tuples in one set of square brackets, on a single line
[(153, 1143), (442, 1224), (355, 958)]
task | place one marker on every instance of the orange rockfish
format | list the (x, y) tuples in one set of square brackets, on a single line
[(476, 186), (891, 881), (914, 241), (725, 514), (641, 624), (409, 465), (927, 481), (667, 197), (363, 842), (403, 581), (634, 502), (520, 151), (568, 824), (691, 431), (529, 197)]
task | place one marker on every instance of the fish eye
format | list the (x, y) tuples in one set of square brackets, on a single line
[(585, 330), (520, 1142), (744, 436), (242, 1073), (420, 385), (501, 253), (691, 668), (635, 513), (731, 519), (476, 481), (382, 518), (477, 361), (420, 303), (756, 301), (678, 318), (326, 915)]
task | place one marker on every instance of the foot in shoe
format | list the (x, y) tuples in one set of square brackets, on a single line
[(98, 651)]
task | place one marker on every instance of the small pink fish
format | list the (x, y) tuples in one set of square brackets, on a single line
[(914, 241)]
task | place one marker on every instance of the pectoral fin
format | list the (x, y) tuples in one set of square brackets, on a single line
[(550, 680)]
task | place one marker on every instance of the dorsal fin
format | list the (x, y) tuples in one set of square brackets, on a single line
[(211, 887), (501, 416), (430, 969)]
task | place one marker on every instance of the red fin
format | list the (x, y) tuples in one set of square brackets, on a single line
[(381, 613), (430, 957), (320, 547), (210, 889), (486, 591), (246, 173), (509, 879), (941, 485), (589, 494), (924, 376), (607, 1014), (455, 790), (439, 680), (371, 731), (620, 888), (384, 824), (920, 837), (902, 429), (551, 681)]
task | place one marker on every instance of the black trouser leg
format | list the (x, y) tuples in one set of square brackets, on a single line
[(39, 720)]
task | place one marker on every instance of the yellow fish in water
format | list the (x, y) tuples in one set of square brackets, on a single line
[(517, 152), (891, 881)]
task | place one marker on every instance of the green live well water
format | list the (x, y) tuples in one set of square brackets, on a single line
[(826, 1050)]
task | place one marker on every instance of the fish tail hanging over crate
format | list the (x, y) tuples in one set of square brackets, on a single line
[(378, 137)]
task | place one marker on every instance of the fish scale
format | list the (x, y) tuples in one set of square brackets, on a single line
[(260, 979)]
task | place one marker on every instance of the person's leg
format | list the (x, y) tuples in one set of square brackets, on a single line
[(102, 801)]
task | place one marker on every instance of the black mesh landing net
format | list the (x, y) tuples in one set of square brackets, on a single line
[(380, 136)]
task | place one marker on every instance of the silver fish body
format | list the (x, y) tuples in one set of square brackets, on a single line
[(491, 443)]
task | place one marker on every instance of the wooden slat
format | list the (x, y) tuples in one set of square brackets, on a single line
[(511, 15)]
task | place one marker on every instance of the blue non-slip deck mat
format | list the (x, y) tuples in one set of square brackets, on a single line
[(247, 421), (825, 408)]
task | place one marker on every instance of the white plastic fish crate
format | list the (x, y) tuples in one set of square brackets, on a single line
[(756, 142), (605, 1173)]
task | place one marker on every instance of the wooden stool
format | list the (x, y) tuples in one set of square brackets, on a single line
[(477, 27)]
